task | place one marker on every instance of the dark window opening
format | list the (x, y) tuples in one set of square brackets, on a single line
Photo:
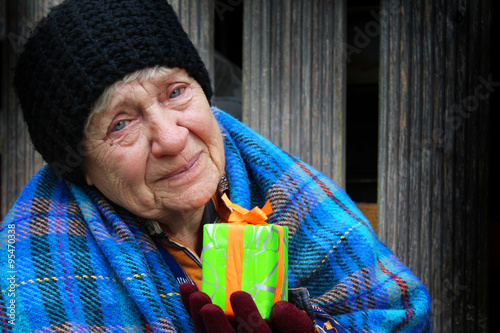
[(362, 100), (228, 45)]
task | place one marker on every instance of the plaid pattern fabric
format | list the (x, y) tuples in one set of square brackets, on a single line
[(333, 250), (81, 264)]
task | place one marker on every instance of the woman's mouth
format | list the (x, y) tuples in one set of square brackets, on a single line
[(186, 168)]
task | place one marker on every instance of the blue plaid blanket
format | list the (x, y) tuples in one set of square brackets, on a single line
[(72, 261)]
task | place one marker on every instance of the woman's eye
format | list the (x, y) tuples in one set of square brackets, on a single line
[(120, 125), (176, 93)]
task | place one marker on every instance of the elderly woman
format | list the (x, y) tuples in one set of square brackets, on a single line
[(117, 101)]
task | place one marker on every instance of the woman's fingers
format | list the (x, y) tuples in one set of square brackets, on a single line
[(197, 301), (210, 318), (285, 317), (246, 313), (215, 319), (186, 289)]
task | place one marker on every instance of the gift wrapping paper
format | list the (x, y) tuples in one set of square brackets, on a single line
[(252, 258)]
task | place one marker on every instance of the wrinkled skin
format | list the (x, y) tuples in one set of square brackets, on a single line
[(157, 151)]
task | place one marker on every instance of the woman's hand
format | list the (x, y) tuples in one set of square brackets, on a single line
[(209, 318)]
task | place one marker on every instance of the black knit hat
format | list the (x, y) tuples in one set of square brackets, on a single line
[(79, 49)]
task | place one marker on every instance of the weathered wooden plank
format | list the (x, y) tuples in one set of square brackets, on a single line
[(464, 141), (251, 49), (294, 78), (403, 135), (436, 288), (19, 160), (383, 162), (427, 75), (415, 138), (394, 17), (432, 211), (473, 105), (448, 223), (197, 18)]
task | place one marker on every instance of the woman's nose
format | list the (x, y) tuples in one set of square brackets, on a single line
[(167, 137)]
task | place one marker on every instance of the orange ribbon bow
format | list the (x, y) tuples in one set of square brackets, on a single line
[(240, 215)]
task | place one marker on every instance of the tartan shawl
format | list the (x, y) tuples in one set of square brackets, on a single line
[(79, 263)]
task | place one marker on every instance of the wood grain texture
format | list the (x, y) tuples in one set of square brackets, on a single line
[(294, 78), (197, 18), (19, 160), (433, 157)]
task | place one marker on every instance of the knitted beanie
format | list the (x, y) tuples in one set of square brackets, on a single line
[(79, 49)]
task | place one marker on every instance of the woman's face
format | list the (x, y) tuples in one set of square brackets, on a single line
[(157, 149)]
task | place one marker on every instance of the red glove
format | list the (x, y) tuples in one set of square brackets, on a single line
[(210, 318)]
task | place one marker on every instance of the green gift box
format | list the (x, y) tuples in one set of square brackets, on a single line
[(252, 258)]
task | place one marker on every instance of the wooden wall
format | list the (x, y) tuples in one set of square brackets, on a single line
[(197, 18), (294, 78), (433, 159), (19, 160)]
